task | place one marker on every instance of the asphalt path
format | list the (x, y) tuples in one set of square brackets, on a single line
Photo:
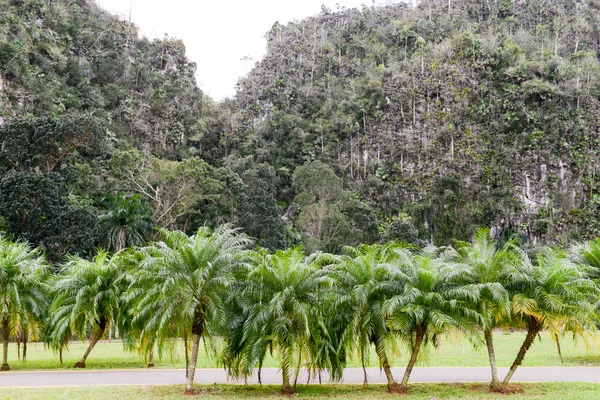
[(147, 377)]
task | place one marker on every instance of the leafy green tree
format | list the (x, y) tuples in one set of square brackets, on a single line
[(329, 215), (36, 207), (558, 297), (369, 276), (180, 284), (492, 273), (23, 290), (87, 299), (258, 213), (403, 230), (125, 223), (45, 144), (133, 322), (177, 191), (280, 313), (430, 304), (37, 157)]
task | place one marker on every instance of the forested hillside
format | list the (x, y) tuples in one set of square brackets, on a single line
[(398, 122), (456, 113)]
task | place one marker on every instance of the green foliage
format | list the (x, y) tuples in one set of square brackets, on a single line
[(367, 278), (329, 216), (277, 303), (23, 290), (259, 214), (403, 230), (459, 114), (179, 286), (35, 207), (45, 144), (86, 297), (429, 303), (125, 223), (441, 112)]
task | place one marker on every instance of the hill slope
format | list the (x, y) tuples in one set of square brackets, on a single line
[(458, 113), (411, 123)]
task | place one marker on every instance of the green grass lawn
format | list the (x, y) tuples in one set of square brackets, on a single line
[(454, 352), (547, 391)]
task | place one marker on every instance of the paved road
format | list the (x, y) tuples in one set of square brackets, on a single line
[(272, 376)]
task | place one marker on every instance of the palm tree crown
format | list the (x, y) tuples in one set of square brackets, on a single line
[(492, 271), (125, 223)]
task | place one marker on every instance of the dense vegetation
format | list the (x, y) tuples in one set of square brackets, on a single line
[(406, 123), (359, 130), (316, 311)]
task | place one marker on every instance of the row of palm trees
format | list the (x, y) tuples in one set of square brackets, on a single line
[(314, 311)]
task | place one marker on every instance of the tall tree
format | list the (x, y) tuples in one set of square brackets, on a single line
[(23, 290), (558, 297), (87, 298), (369, 276), (281, 313), (430, 304), (492, 273), (181, 283)]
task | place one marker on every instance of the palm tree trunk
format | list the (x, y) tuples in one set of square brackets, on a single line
[(285, 370), (383, 361), (187, 354), (18, 341), (25, 340), (557, 338), (189, 390), (96, 336), (197, 331), (534, 329), (5, 333), (151, 357), (562, 360), (413, 357), (487, 333), (121, 239)]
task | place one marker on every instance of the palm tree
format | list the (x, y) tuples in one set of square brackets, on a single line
[(23, 275), (557, 298), (589, 254), (430, 304), (280, 307), (180, 286), (368, 277), (492, 271), (31, 326), (126, 222), (132, 324), (406, 33), (87, 298)]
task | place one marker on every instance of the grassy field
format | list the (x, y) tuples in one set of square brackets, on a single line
[(549, 391), (453, 352)]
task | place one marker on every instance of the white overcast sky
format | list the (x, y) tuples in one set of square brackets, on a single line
[(218, 33)]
